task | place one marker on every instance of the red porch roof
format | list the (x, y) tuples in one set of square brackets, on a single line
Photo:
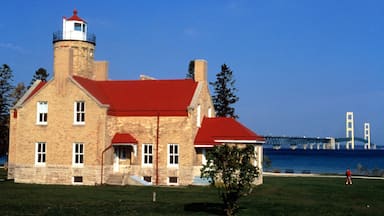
[(142, 97), (123, 138), (215, 131)]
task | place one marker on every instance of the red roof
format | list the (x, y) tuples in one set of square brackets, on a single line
[(75, 17), (214, 131), (123, 138), (142, 97), (36, 89)]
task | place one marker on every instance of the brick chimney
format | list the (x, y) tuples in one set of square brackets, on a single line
[(200, 71)]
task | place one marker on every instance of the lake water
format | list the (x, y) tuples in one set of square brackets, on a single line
[(324, 161)]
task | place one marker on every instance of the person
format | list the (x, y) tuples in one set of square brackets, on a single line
[(348, 174)]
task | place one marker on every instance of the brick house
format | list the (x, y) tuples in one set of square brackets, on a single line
[(81, 128)]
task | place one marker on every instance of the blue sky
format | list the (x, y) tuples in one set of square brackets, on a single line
[(299, 65)]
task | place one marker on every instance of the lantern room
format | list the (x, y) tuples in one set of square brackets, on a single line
[(74, 28)]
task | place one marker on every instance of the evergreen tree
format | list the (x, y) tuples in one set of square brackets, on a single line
[(224, 93), (40, 74), (18, 92), (191, 70), (5, 90), (5, 103)]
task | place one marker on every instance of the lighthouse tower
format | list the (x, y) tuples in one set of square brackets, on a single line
[(73, 49)]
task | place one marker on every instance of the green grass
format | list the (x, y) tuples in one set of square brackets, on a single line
[(277, 196)]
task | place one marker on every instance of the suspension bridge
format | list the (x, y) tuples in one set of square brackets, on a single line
[(347, 142)]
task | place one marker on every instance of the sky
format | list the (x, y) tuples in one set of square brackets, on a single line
[(299, 65)]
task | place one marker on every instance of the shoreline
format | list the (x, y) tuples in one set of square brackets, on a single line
[(318, 175)]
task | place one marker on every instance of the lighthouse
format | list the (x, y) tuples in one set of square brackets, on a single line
[(73, 49)]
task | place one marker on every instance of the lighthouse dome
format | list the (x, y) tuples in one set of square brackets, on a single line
[(74, 28)]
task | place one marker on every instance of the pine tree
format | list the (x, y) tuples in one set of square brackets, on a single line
[(40, 74), (18, 92), (191, 70), (5, 103), (224, 93)]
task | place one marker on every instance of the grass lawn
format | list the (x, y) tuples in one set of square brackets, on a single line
[(277, 196)]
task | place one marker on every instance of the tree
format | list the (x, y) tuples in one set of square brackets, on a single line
[(191, 70), (224, 93), (18, 92), (5, 103), (40, 74), (230, 169)]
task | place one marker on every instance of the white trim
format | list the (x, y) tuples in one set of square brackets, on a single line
[(142, 155), (74, 164), (75, 112), (41, 108), (198, 116), (239, 141), (175, 165), (202, 146), (204, 156), (37, 163)]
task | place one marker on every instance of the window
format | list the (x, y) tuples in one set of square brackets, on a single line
[(77, 179), (172, 180), (79, 112), (147, 178), (147, 154), (77, 26), (42, 112), (78, 154), (40, 153), (173, 154)]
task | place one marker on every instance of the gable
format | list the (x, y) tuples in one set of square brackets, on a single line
[(142, 97)]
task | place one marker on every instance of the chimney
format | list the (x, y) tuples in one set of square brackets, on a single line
[(101, 70), (62, 66), (200, 70)]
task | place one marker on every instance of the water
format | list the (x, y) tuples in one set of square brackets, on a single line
[(325, 161)]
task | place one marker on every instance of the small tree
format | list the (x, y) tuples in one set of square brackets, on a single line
[(40, 74), (224, 93), (231, 170)]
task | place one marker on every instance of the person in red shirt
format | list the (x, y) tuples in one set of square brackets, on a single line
[(348, 174)]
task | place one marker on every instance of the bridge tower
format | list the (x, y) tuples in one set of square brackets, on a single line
[(367, 136), (350, 131)]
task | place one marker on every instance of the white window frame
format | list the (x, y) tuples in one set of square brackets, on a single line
[(40, 153), (80, 112), (78, 154), (42, 113), (147, 154), (173, 156)]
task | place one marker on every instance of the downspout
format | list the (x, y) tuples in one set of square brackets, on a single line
[(102, 162), (157, 149)]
